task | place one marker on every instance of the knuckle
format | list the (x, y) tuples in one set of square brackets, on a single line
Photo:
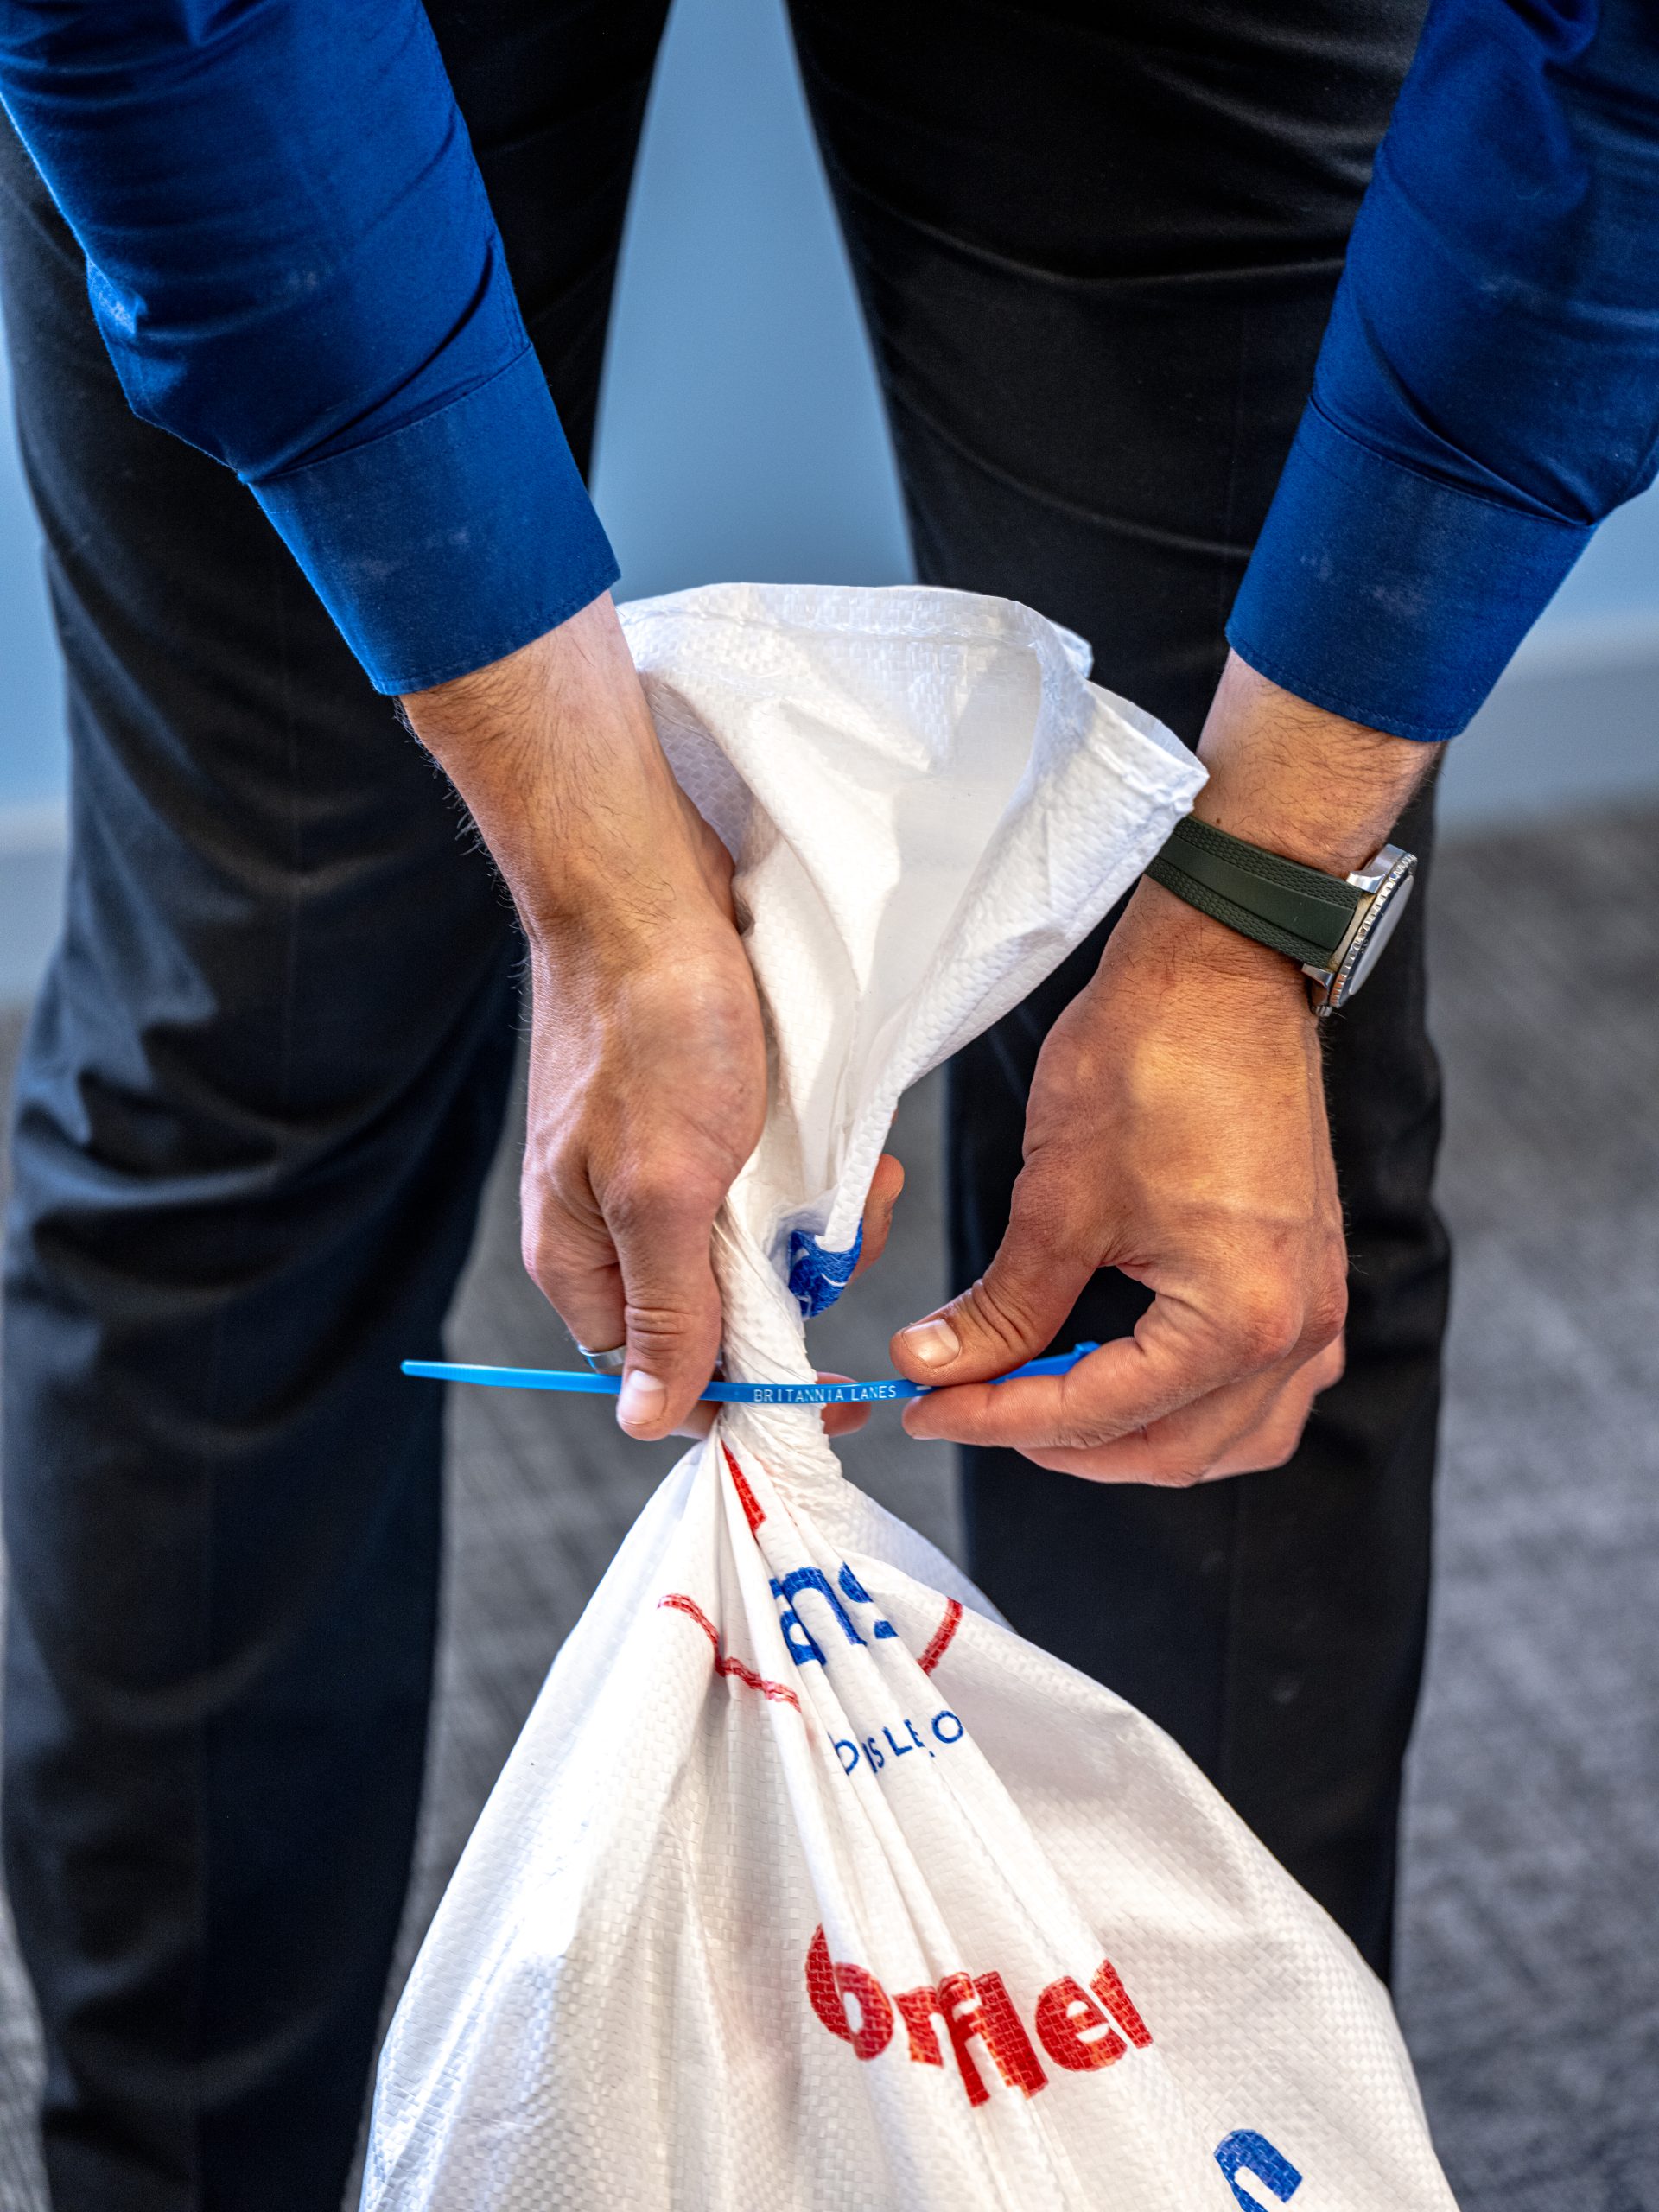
[(658, 1201), (1184, 1474), (540, 1258), (556, 1246), (1278, 1451), (666, 1326), (1327, 1313), (1052, 1204), (1177, 1465), (1275, 1443), (1266, 1328), (996, 1308), (1077, 1435), (641, 1199)]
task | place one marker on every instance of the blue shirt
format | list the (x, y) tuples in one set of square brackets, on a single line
[(294, 267), (1488, 389)]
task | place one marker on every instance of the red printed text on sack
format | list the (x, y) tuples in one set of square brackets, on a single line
[(973, 2018)]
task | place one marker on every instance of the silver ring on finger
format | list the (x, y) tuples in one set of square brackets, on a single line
[(606, 1363)]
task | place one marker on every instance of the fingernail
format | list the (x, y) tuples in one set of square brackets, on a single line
[(936, 1344), (642, 1400)]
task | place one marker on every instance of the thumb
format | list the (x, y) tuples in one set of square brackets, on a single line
[(1009, 1316), (671, 1309)]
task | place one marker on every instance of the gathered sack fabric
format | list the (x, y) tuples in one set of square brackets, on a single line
[(809, 1885)]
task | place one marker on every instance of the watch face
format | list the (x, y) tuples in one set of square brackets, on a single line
[(1377, 928)]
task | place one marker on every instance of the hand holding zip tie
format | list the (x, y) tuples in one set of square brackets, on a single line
[(827, 1390)]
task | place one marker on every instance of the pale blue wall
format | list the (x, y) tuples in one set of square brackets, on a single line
[(1619, 577), (742, 435), (31, 742)]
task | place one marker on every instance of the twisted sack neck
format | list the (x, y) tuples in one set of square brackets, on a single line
[(765, 1342)]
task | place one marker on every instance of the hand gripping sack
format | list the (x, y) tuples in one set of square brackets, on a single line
[(809, 1886)]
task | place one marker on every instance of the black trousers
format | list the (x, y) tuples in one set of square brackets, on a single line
[(268, 1067)]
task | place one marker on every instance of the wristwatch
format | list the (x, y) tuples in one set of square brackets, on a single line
[(1333, 926)]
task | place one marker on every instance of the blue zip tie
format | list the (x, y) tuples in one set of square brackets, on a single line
[(583, 1383)]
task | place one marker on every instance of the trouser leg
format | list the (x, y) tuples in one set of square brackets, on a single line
[(1096, 248), (261, 1089), (1273, 1623)]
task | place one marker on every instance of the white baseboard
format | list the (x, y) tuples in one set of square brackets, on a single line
[(1573, 726)]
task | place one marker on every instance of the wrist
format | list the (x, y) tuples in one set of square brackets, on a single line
[(1301, 782), (1175, 945), (554, 753), (1287, 845)]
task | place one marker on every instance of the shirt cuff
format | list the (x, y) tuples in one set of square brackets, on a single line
[(449, 542), (1389, 596)]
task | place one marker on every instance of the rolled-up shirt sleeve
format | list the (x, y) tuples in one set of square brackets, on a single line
[(1488, 390), (295, 268)]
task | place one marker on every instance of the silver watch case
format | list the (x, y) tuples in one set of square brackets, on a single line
[(1386, 883)]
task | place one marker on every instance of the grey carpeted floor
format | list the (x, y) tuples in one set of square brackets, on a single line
[(1530, 1973)]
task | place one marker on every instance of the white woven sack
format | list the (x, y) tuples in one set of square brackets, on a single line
[(809, 1886)]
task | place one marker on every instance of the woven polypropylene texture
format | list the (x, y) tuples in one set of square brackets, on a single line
[(809, 1883)]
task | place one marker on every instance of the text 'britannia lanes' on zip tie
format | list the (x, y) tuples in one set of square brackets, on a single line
[(580, 1381)]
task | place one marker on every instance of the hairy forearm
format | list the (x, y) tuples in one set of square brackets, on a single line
[(553, 752), (647, 1056), (1299, 781)]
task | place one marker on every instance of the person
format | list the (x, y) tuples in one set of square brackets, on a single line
[(359, 259)]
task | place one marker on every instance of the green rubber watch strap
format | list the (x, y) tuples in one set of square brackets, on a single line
[(1297, 911)]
